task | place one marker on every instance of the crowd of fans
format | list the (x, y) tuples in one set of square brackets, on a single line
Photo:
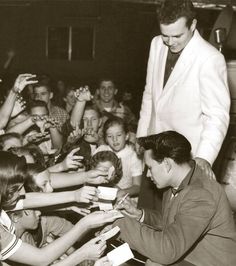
[(57, 147)]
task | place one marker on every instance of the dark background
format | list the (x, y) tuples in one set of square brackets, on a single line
[(123, 32)]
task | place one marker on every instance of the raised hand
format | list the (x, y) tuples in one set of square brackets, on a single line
[(86, 194), (22, 81), (76, 134), (72, 161), (83, 94)]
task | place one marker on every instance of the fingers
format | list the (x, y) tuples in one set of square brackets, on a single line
[(23, 80)]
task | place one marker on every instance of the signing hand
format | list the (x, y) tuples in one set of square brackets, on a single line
[(129, 208)]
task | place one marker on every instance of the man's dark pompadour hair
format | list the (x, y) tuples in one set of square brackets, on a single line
[(168, 144)]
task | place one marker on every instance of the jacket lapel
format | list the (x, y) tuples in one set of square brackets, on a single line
[(184, 62)]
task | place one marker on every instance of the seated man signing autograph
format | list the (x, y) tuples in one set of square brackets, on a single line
[(196, 225)]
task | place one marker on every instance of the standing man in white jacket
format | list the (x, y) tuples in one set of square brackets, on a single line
[(186, 85)]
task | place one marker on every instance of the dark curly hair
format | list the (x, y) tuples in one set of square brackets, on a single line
[(104, 156)]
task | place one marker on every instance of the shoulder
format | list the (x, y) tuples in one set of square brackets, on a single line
[(9, 243)]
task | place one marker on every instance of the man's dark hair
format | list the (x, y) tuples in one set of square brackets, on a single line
[(172, 10), (168, 144)]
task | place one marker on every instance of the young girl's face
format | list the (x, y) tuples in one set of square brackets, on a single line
[(42, 180), (116, 137)]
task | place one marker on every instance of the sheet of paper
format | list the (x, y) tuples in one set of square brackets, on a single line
[(107, 193), (104, 206), (120, 255), (109, 234)]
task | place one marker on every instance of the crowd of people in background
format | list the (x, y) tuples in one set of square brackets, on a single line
[(61, 144)]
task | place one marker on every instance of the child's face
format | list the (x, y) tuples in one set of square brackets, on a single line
[(30, 219), (42, 180), (11, 143), (92, 123), (116, 137)]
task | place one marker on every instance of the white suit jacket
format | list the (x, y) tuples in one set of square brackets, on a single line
[(195, 100)]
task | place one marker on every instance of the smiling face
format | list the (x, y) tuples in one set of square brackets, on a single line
[(116, 137), (70, 98), (176, 35), (42, 180), (159, 171), (107, 91)]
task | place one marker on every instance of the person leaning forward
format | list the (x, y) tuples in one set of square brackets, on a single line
[(195, 225)]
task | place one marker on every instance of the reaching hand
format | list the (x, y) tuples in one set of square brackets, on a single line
[(94, 248), (97, 176), (72, 161), (19, 106), (99, 218), (86, 194), (205, 166), (81, 211), (22, 81), (83, 94)]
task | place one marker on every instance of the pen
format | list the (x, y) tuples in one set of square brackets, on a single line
[(122, 200)]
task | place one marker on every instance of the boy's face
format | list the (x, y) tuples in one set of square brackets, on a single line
[(41, 93), (11, 143), (116, 137), (92, 123), (30, 219), (107, 91)]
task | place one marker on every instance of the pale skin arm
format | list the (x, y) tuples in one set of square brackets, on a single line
[(91, 250), (82, 95), (6, 109), (61, 180), (54, 250), (22, 127)]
